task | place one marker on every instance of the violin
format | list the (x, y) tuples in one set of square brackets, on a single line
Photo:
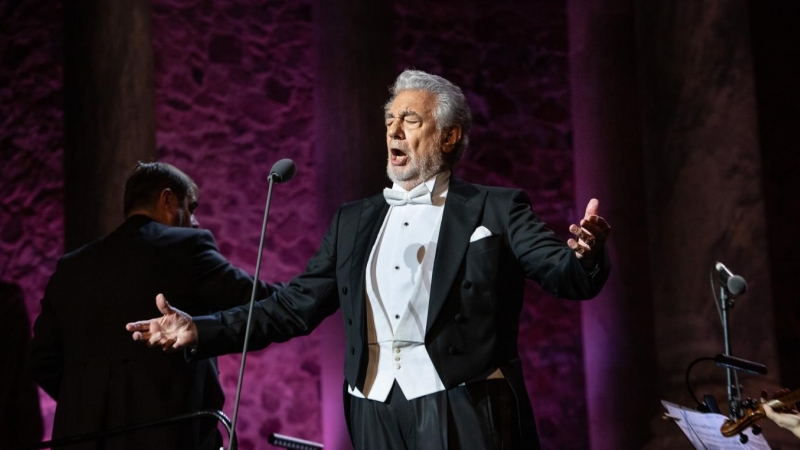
[(753, 412)]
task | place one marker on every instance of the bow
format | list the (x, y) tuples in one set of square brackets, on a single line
[(420, 195)]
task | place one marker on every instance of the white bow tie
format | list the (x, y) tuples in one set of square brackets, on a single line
[(420, 195)]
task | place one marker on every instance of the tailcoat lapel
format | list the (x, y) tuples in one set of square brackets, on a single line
[(463, 210), (373, 213)]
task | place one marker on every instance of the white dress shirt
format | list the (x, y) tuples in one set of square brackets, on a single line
[(398, 282)]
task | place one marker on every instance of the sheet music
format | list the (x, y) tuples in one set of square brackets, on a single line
[(703, 430)]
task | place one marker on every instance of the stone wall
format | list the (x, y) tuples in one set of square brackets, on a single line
[(234, 90), (31, 150)]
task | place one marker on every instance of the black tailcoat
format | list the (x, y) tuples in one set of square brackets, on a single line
[(476, 292)]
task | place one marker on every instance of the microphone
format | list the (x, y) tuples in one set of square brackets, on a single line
[(734, 283), (283, 171)]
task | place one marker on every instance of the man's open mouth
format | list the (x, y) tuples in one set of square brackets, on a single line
[(397, 156)]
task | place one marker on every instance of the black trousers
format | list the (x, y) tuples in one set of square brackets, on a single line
[(477, 416)]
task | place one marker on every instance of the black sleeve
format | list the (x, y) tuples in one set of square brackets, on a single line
[(294, 311), (216, 284), (546, 258)]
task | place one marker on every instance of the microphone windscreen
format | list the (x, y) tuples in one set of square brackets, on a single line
[(734, 283), (283, 170), (737, 285)]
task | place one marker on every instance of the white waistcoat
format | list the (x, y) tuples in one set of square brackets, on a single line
[(398, 283)]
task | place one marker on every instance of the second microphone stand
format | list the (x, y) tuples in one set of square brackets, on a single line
[(734, 389)]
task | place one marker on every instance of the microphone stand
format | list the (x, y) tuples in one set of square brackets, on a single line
[(232, 445), (734, 392)]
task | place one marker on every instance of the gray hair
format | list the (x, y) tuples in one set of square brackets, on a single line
[(451, 106)]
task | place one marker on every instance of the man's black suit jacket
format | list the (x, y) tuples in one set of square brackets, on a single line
[(476, 292), (85, 359)]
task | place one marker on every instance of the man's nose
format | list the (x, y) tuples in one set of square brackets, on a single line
[(394, 131), (195, 223)]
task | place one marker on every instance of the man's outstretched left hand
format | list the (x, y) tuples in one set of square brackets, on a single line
[(590, 235)]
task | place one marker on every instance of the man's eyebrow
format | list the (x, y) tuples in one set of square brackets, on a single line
[(403, 113)]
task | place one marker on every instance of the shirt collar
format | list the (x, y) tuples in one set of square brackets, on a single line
[(437, 184)]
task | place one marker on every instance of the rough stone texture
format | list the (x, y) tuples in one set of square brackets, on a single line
[(31, 148), (234, 86), (510, 59), (233, 91)]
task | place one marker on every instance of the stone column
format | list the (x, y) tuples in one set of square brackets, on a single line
[(704, 197), (618, 344), (354, 53), (108, 110)]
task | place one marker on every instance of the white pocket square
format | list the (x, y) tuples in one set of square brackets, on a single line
[(480, 233)]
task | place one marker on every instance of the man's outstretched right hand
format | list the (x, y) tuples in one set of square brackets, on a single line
[(172, 331)]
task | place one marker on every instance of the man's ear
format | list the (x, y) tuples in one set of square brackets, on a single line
[(167, 200), (165, 196), (450, 138)]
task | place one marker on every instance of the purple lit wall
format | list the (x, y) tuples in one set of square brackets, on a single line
[(234, 92), (233, 86), (233, 89), (31, 150)]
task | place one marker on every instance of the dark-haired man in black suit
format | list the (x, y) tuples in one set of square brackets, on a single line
[(430, 278), (98, 377)]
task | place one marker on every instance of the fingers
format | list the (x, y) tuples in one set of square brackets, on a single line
[(582, 235), (150, 332), (141, 329), (578, 247), (593, 232), (154, 339), (161, 340), (168, 345), (163, 305), (172, 331), (589, 234), (784, 420), (597, 226), (597, 223), (593, 223), (142, 325), (769, 412), (592, 208)]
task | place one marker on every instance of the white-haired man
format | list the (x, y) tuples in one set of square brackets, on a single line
[(430, 277)]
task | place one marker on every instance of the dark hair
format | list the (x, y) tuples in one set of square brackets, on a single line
[(147, 180)]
